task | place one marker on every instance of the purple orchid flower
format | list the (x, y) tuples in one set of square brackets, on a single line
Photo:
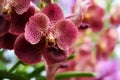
[(46, 33), (12, 25), (13, 16), (18, 21)]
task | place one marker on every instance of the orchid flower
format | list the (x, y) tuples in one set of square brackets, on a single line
[(47, 34)]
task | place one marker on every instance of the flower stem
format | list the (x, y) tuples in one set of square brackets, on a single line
[(42, 4), (14, 66), (51, 70), (49, 1)]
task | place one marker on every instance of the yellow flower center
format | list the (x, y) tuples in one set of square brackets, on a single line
[(50, 40)]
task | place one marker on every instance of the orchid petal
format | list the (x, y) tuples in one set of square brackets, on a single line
[(18, 21), (54, 55), (66, 33), (4, 25), (27, 52), (35, 27), (7, 41), (20, 6), (53, 11)]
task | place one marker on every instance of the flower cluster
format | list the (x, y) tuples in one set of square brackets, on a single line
[(94, 50), (83, 41), (13, 21), (34, 34)]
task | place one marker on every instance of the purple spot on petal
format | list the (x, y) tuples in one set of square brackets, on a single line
[(83, 26)]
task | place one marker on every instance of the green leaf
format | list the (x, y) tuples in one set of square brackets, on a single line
[(73, 74), (37, 71), (2, 66), (56, 0), (2, 51), (41, 78), (71, 57), (12, 76)]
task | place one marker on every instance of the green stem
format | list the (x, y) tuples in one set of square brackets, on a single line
[(38, 70), (73, 74), (14, 66), (2, 51), (11, 76), (108, 3)]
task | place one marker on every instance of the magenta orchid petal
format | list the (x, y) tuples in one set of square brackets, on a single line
[(93, 19), (4, 25), (66, 33), (27, 52), (41, 21), (20, 6), (18, 21), (54, 55), (35, 27), (96, 25), (7, 41), (53, 11), (32, 34)]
